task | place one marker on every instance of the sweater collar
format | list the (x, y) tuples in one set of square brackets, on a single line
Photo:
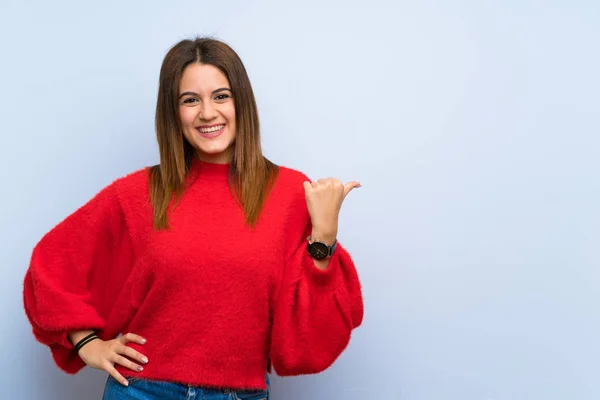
[(210, 171)]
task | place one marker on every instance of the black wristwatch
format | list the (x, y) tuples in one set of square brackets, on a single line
[(319, 250)]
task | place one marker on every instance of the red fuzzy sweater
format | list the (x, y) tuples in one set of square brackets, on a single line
[(217, 301)]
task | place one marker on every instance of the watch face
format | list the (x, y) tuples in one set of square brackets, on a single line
[(318, 250)]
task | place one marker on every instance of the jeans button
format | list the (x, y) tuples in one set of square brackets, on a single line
[(226, 391)]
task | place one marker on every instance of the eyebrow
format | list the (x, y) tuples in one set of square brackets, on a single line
[(213, 92)]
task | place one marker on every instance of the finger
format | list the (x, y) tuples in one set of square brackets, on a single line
[(115, 374), (349, 186), (132, 337), (307, 186), (134, 355), (127, 363)]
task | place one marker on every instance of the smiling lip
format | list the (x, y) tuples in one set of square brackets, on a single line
[(210, 135)]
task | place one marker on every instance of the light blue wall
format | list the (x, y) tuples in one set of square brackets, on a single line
[(473, 126)]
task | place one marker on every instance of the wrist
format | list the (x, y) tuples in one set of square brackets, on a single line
[(327, 227), (328, 239), (86, 340), (76, 336), (325, 235)]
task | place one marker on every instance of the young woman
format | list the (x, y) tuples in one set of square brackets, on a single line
[(216, 264)]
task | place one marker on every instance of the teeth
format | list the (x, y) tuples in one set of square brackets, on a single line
[(213, 129)]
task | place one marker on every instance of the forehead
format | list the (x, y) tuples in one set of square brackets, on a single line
[(202, 78)]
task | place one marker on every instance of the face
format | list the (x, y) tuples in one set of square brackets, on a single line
[(207, 112)]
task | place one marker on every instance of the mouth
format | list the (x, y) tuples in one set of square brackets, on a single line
[(210, 131)]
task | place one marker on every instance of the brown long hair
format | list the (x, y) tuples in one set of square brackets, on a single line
[(251, 175)]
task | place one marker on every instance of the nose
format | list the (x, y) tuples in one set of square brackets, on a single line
[(207, 111)]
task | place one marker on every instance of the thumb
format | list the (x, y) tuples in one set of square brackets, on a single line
[(349, 186)]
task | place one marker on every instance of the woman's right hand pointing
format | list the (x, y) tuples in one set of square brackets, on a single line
[(103, 355)]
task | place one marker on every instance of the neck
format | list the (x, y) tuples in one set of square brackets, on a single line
[(209, 170)]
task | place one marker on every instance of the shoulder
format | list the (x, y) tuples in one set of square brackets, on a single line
[(132, 191), (291, 196), (133, 183), (119, 188), (292, 178), (290, 185)]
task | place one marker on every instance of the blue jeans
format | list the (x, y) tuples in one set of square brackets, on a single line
[(145, 389)]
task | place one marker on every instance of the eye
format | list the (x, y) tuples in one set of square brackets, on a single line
[(189, 100), (222, 97)]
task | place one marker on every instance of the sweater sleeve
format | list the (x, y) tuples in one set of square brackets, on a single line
[(75, 275), (316, 310)]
